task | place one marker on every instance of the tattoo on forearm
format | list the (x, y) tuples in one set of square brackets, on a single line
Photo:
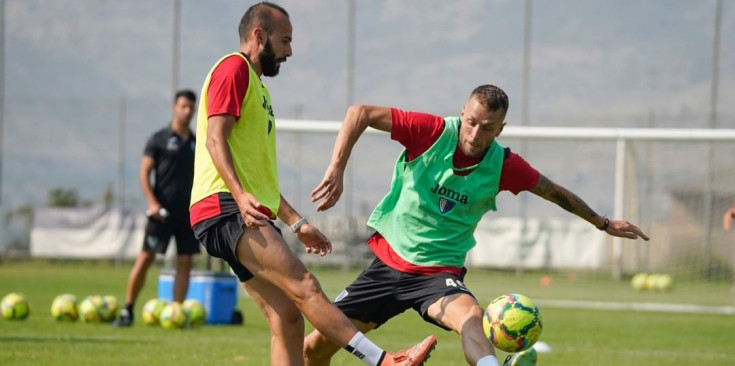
[(562, 197)]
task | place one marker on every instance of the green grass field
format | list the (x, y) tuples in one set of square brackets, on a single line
[(577, 337)]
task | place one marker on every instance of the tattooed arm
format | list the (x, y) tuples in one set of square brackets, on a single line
[(572, 203)]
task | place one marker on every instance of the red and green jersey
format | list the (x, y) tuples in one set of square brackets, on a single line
[(430, 214), (417, 132)]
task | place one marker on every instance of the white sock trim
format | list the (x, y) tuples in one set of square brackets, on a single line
[(364, 349), (489, 360)]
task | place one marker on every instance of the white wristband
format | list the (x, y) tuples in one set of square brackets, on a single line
[(298, 224)]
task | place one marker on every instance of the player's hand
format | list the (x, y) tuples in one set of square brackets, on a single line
[(254, 215), (154, 212), (624, 229), (313, 239), (727, 219), (330, 189)]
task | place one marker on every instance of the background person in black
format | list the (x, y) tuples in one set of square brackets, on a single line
[(169, 153)]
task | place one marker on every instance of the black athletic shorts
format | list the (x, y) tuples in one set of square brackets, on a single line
[(220, 234), (158, 234), (380, 293)]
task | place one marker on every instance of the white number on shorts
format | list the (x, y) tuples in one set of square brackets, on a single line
[(453, 283)]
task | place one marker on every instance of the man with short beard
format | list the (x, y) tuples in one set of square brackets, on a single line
[(236, 195), (444, 181)]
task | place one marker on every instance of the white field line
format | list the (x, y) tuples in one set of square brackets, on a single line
[(637, 306)]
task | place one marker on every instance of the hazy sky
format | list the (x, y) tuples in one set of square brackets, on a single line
[(589, 58), (593, 63)]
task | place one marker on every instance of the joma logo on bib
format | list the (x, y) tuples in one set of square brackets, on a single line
[(448, 198)]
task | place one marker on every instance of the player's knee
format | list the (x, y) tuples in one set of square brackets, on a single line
[(183, 263), (476, 311), (470, 319), (307, 288), (145, 259), (286, 320)]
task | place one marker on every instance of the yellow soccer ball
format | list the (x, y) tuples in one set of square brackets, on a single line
[(152, 310), (64, 308), (512, 322), (110, 308), (14, 306), (89, 309), (173, 316), (195, 312)]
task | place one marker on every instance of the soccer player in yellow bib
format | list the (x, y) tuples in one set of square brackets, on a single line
[(444, 181), (235, 195)]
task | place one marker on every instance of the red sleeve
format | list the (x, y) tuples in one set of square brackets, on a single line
[(517, 175), (415, 131), (227, 87)]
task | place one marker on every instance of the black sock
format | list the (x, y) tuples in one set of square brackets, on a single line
[(129, 308)]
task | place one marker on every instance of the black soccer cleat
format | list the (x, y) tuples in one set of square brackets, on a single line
[(124, 320)]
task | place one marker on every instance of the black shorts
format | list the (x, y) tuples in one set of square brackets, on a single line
[(380, 293), (220, 234), (158, 234)]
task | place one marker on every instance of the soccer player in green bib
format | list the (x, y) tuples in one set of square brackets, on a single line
[(444, 181)]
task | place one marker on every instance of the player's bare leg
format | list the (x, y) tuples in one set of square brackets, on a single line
[(136, 280), (181, 281), (318, 349), (284, 319), (461, 313), (265, 253)]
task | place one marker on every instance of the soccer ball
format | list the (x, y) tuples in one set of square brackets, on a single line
[(64, 308), (639, 281), (651, 281), (89, 309), (110, 308), (512, 322), (14, 306), (663, 282), (152, 310), (173, 316), (195, 312)]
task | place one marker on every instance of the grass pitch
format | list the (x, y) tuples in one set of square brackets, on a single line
[(577, 337)]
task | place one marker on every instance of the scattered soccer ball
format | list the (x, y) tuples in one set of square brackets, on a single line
[(110, 308), (664, 282), (173, 316), (195, 312), (89, 309), (14, 306), (652, 281), (639, 281), (512, 322), (64, 308), (152, 311)]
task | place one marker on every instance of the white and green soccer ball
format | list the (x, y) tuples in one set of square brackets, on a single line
[(64, 308), (512, 322), (152, 311), (89, 309), (173, 316), (195, 312), (14, 306)]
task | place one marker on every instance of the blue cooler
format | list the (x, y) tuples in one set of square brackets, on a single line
[(217, 291)]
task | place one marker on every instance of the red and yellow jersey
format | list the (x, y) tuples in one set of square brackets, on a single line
[(233, 83)]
